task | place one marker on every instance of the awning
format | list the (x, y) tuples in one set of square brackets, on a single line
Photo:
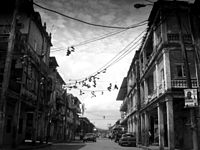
[(123, 90)]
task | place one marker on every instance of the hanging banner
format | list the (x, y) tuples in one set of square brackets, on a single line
[(190, 97)]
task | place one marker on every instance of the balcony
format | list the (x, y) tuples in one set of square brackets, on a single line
[(182, 83), (175, 38)]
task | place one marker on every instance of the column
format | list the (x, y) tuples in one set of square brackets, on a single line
[(161, 126), (170, 123), (142, 129), (16, 123), (145, 91), (157, 79), (138, 130), (167, 72), (146, 128)]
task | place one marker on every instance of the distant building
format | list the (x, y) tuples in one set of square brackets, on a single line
[(85, 126)]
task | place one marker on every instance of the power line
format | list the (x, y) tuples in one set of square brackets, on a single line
[(111, 62), (94, 39), (98, 38), (109, 34), (85, 22)]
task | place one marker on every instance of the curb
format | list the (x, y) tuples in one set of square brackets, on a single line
[(33, 147)]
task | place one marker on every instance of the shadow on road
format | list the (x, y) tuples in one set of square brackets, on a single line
[(69, 146)]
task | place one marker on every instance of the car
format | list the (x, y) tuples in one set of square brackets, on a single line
[(127, 139), (89, 137)]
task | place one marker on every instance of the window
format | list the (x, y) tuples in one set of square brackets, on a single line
[(180, 70), (162, 75)]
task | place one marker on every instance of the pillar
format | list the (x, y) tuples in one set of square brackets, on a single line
[(142, 129), (167, 71), (170, 123), (146, 128), (161, 126), (146, 91), (16, 123), (138, 130)]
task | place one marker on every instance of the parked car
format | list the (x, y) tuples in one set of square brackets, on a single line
[(117, 137), (89, 137), (127, 139)]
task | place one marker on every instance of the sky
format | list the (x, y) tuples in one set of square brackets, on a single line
[(101, 107)]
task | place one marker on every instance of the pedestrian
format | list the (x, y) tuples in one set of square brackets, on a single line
[(150, 137)]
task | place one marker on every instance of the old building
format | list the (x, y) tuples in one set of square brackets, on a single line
[(63, 108), (85, 126), (169, 67), (130, 94), (74, 111), (24, 59), (122, 97), (58, 109)]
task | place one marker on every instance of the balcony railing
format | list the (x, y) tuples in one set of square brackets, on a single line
[(5, 29), (175, 38), (182, 83), (4, 32)]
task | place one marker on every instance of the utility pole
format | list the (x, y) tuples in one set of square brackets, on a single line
[(189, 84), (7, 70)]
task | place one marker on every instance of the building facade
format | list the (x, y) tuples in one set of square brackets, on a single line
[(84, 127), (33, 103), (25, 48), (169, 67)]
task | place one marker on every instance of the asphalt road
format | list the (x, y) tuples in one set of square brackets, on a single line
[(101, 144)]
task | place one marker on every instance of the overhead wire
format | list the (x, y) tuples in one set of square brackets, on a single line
[(82, 21), (120, 54), (98, 38), (122, 51), (161, 21), (95, 39)]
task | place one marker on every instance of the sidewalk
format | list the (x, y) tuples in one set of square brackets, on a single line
[(151, 147), (27, 146)]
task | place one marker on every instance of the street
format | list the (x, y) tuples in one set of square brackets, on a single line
[(101, 144)]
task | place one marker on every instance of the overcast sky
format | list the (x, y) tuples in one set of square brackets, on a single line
[(103, 109)]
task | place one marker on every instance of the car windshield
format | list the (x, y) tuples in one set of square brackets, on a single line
[(128, 135)]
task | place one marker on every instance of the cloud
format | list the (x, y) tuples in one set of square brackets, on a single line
[(89, 58)]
